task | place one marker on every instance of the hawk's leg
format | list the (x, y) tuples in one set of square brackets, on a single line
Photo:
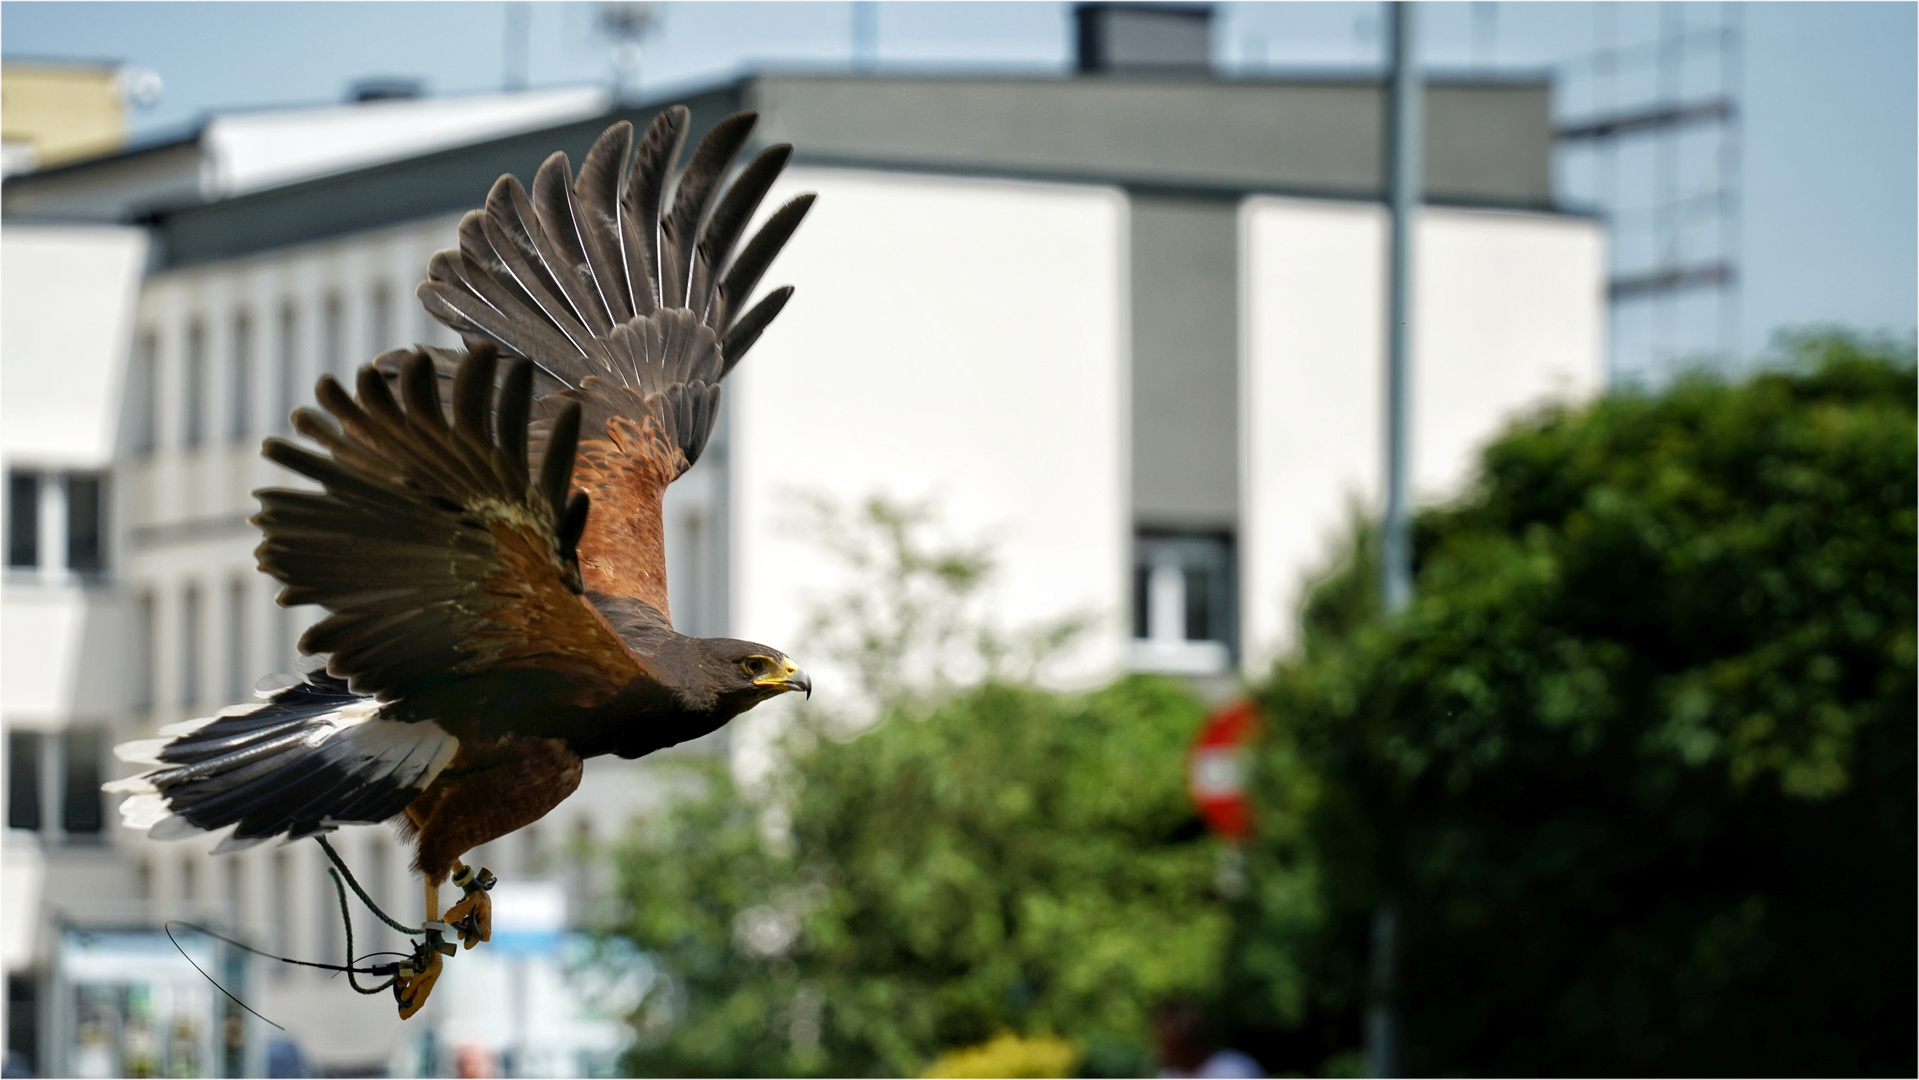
[(414, 981), (472, 914)]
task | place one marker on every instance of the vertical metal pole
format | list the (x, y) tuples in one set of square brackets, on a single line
[(1405, 152), (866, 35), (1405, 157), (1382, 1031)]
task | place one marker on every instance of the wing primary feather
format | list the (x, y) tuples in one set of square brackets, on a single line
[(557, 470), (711, 158), (559, 218), (645, 197), (729, 220), (473, 394), (748, 329), (420, 386), (573, 525), (376, 399), (315, 426), (516, 403), (329, 473), (335, 399), (513, 233), (745, 273), (598, 194)]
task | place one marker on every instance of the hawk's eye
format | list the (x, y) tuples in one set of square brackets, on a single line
[(757, 666)]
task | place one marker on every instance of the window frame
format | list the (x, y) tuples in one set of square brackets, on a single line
[(24, 495), (77, 507), (193, 386)]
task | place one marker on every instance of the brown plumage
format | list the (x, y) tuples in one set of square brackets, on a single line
[(488, 542)]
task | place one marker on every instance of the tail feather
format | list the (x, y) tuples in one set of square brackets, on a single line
[(312, 756)]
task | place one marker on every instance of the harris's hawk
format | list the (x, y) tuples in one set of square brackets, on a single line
[(488, 540)]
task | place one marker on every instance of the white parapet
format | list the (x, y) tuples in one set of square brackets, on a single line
[(956, 341), (1509, 313)]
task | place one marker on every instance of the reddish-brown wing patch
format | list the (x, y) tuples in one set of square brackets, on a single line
[(623, 551), (542, 624)]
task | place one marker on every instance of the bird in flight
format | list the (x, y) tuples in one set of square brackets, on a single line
[(488, 540)]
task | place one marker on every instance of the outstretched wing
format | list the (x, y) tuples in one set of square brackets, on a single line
[(630, 305), (440, 556)]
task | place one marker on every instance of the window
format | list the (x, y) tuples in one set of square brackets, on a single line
[(333, 337), (190, 647), (380, 319), (145, 634), (1184, 617), (146, 389), (23, 519), (278, 899), (23, 1022), (286, 653), (238, 593), (234, 892), (429, 331), (379, 876), (23, 780), (80, 811), (332, 943), (240, 380), (194, 390), (85, 526), (290, 388)]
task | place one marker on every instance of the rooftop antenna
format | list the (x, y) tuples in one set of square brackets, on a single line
[(866, 35), (518, 46), (626, 24), (1405, 163)]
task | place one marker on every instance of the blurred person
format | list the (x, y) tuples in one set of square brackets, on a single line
[(475, 1062), (285, 1058), (1184, 1042)]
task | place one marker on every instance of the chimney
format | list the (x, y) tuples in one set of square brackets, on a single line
[(1162, 39), (385, 88)]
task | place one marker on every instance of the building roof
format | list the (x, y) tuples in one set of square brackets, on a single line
[(236, 153), (1489, 144)]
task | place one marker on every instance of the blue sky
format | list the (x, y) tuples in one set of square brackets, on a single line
[(1830, 192)]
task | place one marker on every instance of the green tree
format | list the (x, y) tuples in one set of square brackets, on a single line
[(981, 860), (1635, 770)]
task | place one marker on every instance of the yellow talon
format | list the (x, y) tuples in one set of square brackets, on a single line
[(472, 917), (411, 987)]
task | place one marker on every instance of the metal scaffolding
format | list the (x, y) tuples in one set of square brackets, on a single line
[(1650, 138)]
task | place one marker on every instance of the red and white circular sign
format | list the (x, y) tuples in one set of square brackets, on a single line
[(1217, 768)]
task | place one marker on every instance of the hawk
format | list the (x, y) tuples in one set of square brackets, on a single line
[(488, 541)]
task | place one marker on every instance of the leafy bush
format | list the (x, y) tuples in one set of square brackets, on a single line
[(985, 860), (1636, 769)]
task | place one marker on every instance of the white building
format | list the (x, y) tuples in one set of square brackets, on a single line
[(1127, 330)]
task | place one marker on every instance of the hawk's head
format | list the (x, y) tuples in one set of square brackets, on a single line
[(745, 673)]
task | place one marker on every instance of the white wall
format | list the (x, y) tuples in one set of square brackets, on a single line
[(67, 294), (1509, 312), (955, 340)]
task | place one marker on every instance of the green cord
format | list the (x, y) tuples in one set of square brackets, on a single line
[(361, 893), (347, 921)]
